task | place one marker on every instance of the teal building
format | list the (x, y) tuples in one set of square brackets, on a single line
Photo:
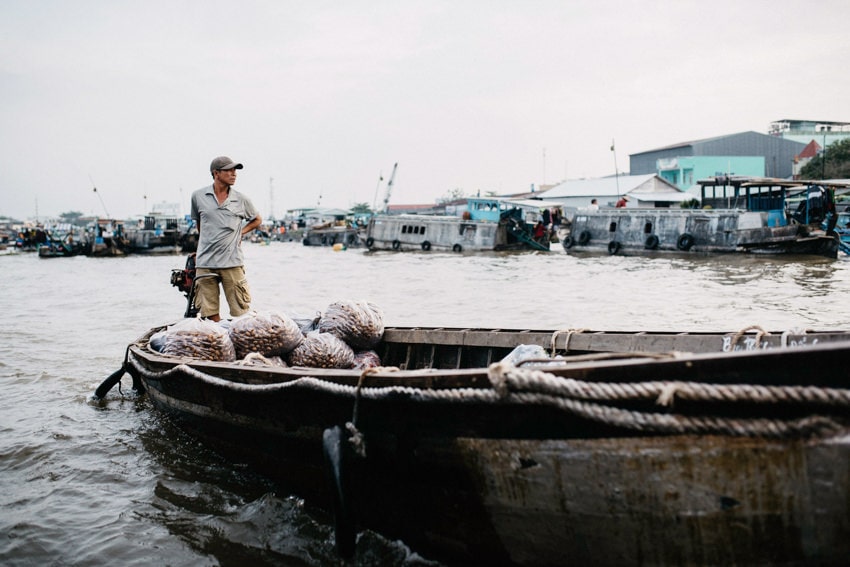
[(684, 171)]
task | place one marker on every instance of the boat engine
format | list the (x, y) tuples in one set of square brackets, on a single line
[(184, 280)]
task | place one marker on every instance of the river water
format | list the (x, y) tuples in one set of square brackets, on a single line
[(87, 483)]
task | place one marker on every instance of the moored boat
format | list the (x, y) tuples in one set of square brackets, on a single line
[(488, 224), (330, 235), (544, 447), (160, 234), (738, 215)]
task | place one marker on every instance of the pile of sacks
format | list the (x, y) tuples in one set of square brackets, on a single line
[(344, 336)]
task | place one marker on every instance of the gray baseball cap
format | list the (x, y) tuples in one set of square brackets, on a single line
[(224, 162)]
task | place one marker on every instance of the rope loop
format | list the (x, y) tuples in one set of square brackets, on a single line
[(759, 334), (569, 333)]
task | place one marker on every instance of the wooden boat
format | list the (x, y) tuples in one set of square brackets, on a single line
[(630, 449), (738, 215)]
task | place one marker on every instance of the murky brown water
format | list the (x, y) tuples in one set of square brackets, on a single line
[(114, 483)]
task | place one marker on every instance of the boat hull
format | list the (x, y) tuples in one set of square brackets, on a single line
[(463, 477), (348, 237), (652, 231), (445, 233)]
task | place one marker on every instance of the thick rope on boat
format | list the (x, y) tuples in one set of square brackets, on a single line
[(759, 334), (506, 377), (680, 425), (455, 395), (511, 385)]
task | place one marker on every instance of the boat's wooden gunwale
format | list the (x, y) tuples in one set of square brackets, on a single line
[(791, 365)]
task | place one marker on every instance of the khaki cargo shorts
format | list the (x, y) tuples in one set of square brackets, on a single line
[(235, 287)]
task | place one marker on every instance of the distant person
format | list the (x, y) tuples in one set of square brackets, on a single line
[(539, 232), (547, 218), (594, 205), (622, 202), (220, 211)]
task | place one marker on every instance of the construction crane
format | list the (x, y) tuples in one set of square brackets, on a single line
[(389, 190)]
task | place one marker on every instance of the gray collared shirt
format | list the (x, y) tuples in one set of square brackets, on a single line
[(221, 227)]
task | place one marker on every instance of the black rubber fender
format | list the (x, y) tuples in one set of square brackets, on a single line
[(651, 242), (396, 244), (613, 247), (568, 242), (426, 246), (457, 248), (685, 242), (370, 242), (584, 237)]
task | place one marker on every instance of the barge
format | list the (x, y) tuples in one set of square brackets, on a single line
[(738, 215), (487, 224)]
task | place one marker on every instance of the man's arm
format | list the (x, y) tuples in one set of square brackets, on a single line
[(252, 225)]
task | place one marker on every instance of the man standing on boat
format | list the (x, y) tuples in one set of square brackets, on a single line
[(219, 212)]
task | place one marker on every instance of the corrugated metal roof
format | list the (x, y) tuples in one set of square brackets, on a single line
[(612, 187), (693, 142)]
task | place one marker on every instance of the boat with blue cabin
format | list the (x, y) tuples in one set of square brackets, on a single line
[(738, 214), (486, 224)]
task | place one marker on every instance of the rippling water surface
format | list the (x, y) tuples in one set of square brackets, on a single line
[(89, 483)]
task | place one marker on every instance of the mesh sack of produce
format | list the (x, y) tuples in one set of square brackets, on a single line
[(322, 350), (358, 323), (270, 334), (366, 359), (198, 338)]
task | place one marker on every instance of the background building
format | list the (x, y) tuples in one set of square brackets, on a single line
[(804, 131), (642, 190), (745, 153)]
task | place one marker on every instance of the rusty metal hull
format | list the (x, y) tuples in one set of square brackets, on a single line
[(509, 482)]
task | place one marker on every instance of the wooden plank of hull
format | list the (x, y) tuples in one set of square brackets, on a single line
[(696, 500)]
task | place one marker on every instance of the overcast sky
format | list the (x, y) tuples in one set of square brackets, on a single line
[(318, 99)]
